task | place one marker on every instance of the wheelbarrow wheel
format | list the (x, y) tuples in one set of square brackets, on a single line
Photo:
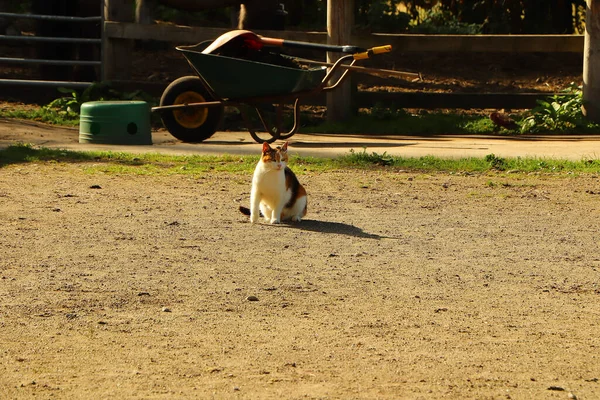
[(193, 124)]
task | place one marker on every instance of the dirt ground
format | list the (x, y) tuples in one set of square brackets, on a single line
[(397, 285)]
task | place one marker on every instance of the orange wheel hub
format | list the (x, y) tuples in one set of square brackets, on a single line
[(191, 117)]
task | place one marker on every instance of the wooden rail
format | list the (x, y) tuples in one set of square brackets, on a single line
[(121, 34), (400, 42)]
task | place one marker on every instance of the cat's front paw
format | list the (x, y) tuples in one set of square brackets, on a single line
[(275, 221), (253, 218)]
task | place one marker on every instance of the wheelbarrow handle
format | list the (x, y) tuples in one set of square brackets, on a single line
[(255, 41), (374, 50), (306, 45)]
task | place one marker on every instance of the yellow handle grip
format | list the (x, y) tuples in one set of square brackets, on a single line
[(375, 50), (382, 49)]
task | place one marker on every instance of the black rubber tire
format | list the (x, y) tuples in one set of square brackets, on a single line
[(202, 121)]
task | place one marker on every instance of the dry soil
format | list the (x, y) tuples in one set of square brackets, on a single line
[(397, 285)]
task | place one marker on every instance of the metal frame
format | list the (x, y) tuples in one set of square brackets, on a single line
[(48, 39)]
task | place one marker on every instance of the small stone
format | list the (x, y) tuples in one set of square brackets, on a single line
[(166, 309), (252, 298)]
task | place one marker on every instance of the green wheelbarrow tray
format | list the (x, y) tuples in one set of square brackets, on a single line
[(238, 79)]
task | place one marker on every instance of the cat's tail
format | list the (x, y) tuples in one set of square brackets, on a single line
[(245, 210)]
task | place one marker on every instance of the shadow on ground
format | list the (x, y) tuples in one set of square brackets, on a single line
[(338, 228)]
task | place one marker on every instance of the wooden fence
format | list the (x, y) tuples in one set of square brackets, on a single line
[(119, 36)]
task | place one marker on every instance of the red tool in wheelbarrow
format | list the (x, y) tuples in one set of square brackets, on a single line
[(238, 70)]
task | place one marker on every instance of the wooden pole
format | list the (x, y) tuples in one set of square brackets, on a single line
[(339, 28), (144, 11), (116, 53), (591, 61)]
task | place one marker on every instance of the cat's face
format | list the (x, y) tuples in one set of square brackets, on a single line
[(274, 158)]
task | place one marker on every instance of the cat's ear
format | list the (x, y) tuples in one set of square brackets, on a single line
[(284, 147), (266, 147)]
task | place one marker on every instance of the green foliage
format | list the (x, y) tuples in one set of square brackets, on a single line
[(23, 153), (441, 21), (381, 16), (70, 104), (67, 108), (496, 162), (560, 113), (382, 112), (216, 17), (363, 158), (392, 120), (161, 164), (519, 16)]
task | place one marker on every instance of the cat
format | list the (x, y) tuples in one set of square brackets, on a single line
[(276, 193)]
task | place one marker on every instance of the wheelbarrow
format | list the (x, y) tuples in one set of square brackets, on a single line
[(234, 70)]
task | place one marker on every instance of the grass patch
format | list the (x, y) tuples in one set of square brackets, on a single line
[(160, 164), (39, 114), (399, 122)]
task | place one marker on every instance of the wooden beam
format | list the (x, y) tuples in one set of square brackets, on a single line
[(476, 43), (434, 101), (116, 52), (339, 24), (401, 43), (162, 32), (591, 61), (424, 100), (465, 101)]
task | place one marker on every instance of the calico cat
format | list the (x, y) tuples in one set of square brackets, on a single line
[(276, 193)]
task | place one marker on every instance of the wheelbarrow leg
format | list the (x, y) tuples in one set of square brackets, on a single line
[(273, 130), (291, 133)]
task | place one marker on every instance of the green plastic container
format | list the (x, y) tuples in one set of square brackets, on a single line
[(115, 122)]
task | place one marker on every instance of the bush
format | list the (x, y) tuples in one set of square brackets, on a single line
[(381, 16), (440, 21), (559, 113)]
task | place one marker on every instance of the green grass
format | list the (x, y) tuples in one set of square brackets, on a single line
[(159, 164), (40, 114), (376, 121), (402, 123)]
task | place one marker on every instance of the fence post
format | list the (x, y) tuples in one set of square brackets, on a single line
[(144, 11), (116, 53), (591, 61), (340, 19)]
